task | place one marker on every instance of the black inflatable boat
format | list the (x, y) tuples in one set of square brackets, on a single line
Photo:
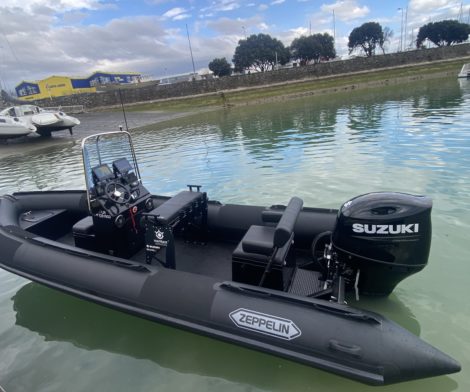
[(273, 278)]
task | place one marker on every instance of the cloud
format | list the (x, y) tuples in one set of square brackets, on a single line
[(277, 2), (290, 35), (182, 16), (157, 2), (120, 44), (263, 7), (174, 13), (428, 5), (236, 27), (346, 10), (141, 44), (74, 17), (221, 6), (56, 5)]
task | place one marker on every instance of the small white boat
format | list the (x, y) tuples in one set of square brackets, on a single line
[(11, 127), (45, 121), (465, 71)]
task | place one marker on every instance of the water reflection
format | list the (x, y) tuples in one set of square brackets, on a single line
[(391, 307), (57, 167), (92, 327)]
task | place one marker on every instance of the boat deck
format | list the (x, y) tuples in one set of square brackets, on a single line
[(214, 259), (211, 258)]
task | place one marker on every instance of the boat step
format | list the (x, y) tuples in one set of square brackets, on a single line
[(306, 282)]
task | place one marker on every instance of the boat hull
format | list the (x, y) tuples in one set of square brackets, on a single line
[(10, 129), (51, 122), (349, 342)]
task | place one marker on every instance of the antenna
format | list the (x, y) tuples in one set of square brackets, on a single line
[(123, 111)]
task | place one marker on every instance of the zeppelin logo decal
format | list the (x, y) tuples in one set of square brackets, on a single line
[(265, 323), (412, 228)]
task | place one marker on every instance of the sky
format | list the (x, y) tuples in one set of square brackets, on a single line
[(40, 38)]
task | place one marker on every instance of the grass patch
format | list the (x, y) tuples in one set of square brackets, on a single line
[(242, 96)]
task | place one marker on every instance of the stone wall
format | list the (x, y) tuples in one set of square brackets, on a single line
[(152, 91)]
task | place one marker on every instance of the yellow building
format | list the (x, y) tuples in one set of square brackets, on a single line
[(58, 86)]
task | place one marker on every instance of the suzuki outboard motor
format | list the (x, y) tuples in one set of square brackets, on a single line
[(384, 237)]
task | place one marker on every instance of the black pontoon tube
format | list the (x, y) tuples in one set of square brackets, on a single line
[(353, 343)]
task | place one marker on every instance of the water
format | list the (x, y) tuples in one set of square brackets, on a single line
[(412, 138)]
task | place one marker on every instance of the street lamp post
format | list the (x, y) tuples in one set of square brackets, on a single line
[(191, 51), (401, 31), (334, 29), (406, 30)]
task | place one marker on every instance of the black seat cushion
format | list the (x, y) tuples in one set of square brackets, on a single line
[(83, 226), (259, 239), (171, 209), (242, 255), (260, 242)]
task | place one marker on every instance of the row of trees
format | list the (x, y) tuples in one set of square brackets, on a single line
[(261, 52), (370, 35), (444, 33)]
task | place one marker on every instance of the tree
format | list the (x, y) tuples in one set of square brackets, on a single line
[(220, 67), (313, 47), (443, 33), (367, 37), (260, 52), (388, 35)]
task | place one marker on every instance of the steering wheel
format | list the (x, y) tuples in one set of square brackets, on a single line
[(117, 193)]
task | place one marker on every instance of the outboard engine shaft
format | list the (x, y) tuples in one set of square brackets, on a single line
[(384, 237)]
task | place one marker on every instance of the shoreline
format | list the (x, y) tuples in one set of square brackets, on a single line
[(307, 87)]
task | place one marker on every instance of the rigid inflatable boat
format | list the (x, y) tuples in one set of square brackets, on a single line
[(274, 279)]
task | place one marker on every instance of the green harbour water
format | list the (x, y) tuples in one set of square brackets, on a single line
[(412, 138)]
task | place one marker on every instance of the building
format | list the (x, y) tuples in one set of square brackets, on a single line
[(180, 78), (57, 86)]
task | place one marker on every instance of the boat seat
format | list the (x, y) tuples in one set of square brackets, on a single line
[(176, 208), (84, 234), (264, 244), (257, 245), (83, 226)]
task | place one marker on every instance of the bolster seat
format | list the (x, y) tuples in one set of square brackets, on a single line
[(265, 239), (262, 244)]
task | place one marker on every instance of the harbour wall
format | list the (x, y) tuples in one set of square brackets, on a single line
[(152, 91)]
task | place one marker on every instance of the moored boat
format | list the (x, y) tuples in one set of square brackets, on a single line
[(13, 127), (43, 120), (270, 278)]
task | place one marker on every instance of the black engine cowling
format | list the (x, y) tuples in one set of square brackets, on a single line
[(384, 235)]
